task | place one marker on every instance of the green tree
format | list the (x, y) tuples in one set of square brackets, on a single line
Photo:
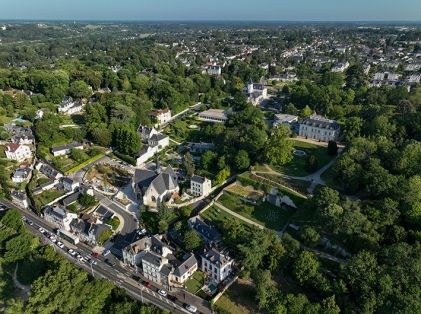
[(311, 163), (192, 241), (189, 165), (222, 175), (332, 148), (19, 247), (12, 219), (310, 236), (79, 89), (208, 159), (279, 147), (242, 160), (306, 267)]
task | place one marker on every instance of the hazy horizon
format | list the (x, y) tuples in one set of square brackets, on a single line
[(217, 10)]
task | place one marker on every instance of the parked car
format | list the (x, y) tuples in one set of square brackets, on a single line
[(29, 222), (172, 298), (112, 264), (106, 252), (93, 262), (146, 284), (95, 254), (71, 252), (134, 277), (41, 229), (162, 292), (60, 245), (191, 308)]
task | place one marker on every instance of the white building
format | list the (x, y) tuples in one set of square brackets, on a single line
[(255, 92), (21, 175), (200, 186), (18, 152), (217, 265), (20, 199), (65, 149), (59, 217), (69, 106), (214, 115), (340, 67), (214, 70), (284, 119), (385, 79), (155, 141), (319, 128), (160, 116), (68, 184)]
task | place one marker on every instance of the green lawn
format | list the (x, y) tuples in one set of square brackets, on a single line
[(296, 167), (196, 282), (180, 130), (270, 216), (238, 299), (218, 216), (47, 197)]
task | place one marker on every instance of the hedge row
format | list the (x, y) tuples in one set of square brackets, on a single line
[(85, 163), (125, 158)]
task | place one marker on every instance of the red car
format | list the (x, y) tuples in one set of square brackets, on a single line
[(147, 284), (94, 254)]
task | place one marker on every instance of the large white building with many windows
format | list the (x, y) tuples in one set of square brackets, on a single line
[(319, 128), (216, 264), (200, 186)]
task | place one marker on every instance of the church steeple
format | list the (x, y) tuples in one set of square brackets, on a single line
[(158, 165)]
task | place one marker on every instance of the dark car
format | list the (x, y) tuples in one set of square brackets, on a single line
[(112, 264), (172, 298), (137, 278)]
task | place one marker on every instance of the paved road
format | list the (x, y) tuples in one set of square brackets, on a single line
[(117, 274)]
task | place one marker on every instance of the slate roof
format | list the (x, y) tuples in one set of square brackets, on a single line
[(207, 232), (185, 266), (216, 257), (198, 179), (58, 212), (167, 180), (64, 147), (320, 122)]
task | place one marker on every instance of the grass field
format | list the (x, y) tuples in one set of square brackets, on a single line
[(47, 197), (195, 283), (238, 299), (270, 216), (218, 216), (296, 167)]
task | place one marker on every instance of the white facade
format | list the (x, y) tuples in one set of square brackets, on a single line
[(214, 115), (66, 149), (200, 186), (319, 128), (256, 92), (160, 116), (217, 265), (214, 70), (18, 152)]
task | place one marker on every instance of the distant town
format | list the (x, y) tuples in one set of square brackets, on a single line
[(210, 168)]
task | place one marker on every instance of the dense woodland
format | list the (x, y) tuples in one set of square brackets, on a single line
[(373, 208)]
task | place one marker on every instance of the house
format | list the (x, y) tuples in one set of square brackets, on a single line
[(385, 79), (19, 199), (340, 67), (156, 261), (255, 92), (23, 139), (155, 187), (58, 216), (45, 187), (65, 149), (216, 264), (21, 175), (155, 142), (185, 269), (160, 116), (282, 118), (214, 70), (319, 128), (68, 184), (200, 186), (214, 115), (207, 232), (40, 113), (18, 152), (87, 230), (69, 106), (48, 170)]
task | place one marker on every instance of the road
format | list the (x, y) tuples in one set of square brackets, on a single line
[(120, 276)]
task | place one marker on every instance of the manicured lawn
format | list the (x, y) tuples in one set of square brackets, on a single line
[(218, 216), (47, 197), (195, 283), (240, 298), (270, 216), (296, 167), (297, 185)]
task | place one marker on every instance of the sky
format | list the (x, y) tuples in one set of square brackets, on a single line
[(153, 10)]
